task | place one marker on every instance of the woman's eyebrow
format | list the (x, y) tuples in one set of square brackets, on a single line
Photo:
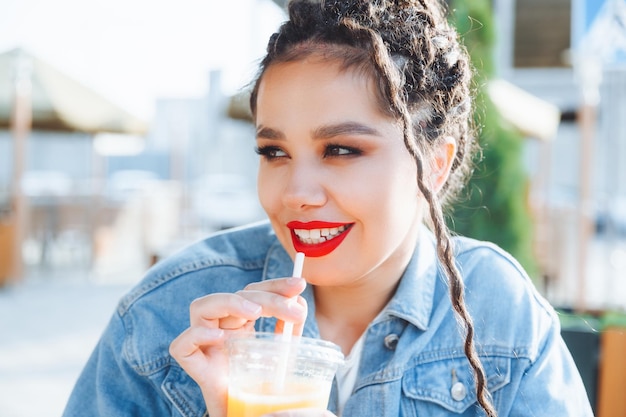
[(346, 128), (263, 132), (323, 132)]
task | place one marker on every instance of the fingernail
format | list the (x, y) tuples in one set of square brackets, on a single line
[(215, 333), (293, 306), (251, 307), (293, 281)]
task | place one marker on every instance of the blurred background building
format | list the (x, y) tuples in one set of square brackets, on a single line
[(572, 54)]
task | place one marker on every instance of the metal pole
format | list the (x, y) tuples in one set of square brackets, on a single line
[(587, 119), (21, 122)]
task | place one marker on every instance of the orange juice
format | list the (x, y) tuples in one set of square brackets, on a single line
[(268, 373), (262, 400)]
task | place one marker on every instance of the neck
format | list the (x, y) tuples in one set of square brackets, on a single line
[(343, 313)]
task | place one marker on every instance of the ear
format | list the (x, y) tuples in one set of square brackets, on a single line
[(441, 162)]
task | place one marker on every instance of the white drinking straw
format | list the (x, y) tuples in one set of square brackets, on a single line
[(279, 385), (298, 263)]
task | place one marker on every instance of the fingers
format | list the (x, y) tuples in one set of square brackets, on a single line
[(273, 298), (288, 287), (211, 309), (273, 305), (192, 340), (279, 298), (298, 325), (201, 353)]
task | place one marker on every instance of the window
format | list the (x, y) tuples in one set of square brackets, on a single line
[(542, 33)]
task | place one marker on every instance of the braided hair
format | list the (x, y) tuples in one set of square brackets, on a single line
[(423, 80)]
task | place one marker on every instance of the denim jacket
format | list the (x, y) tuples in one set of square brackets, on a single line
[(412, 362)]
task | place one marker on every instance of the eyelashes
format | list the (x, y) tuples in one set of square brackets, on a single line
[(269, 152), (272, 152), (341, 150)]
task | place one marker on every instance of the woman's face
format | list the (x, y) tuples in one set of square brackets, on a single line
[(335, 177)]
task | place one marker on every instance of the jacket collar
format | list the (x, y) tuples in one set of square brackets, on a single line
[(413, 300)]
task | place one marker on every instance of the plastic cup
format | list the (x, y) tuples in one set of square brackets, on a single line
[(255, 388)]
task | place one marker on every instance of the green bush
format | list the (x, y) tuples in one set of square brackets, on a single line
[(494, 206), (614, 319)]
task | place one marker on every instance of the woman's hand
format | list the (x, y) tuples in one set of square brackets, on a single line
[(200, 349)]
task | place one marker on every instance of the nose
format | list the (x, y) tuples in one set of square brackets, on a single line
[(304, 187)]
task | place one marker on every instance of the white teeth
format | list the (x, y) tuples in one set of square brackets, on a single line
[(314, 236)]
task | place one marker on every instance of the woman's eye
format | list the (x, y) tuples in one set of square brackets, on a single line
[(340, 150), (270, 152)]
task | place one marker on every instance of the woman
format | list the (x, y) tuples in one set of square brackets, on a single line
[(362, 113)]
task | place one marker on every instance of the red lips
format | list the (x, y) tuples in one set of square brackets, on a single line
[(318, 249)]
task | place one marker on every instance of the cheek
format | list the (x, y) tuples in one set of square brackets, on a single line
[(388, 199), (401, 202), (401, 199)]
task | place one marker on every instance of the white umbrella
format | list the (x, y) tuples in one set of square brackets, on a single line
[(59, 102)]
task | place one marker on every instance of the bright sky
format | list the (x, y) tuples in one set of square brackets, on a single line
[(134, 51)]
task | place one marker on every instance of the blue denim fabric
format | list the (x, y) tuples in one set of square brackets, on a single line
[(413, 352)]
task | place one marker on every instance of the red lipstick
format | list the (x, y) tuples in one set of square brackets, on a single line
[(315, 250)]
